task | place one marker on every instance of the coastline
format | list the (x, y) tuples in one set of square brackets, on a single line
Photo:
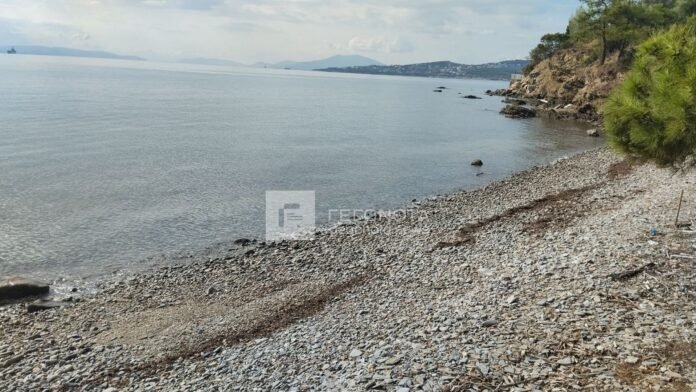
[(509, 285)]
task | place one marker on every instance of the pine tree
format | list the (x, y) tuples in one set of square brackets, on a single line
[(652, 115)]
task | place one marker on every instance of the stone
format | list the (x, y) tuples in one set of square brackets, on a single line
[(40, 305), (477, 162), (11, 361), (631, 360), (513, 101), (593, 132), (518, 111), (489, 323), (565, 361), (587, 109), (18, 287), (483, 368), (392, 361), (355, 353), (405, 382), (672, 375)]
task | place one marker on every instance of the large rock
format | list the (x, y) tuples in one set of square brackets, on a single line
[(514, 101), (517, 111), (18, 287), (593, 132), (503, 92)]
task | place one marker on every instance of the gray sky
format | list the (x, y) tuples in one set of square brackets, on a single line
[(391, 31)]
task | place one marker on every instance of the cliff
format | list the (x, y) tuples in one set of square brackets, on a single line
[(571, 84)]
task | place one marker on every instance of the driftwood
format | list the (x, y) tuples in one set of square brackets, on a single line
[(630, 273), (681, 199)]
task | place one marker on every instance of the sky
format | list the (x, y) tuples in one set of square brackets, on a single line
[(249, 31)]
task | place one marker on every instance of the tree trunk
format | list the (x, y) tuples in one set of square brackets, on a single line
[(604, 44)]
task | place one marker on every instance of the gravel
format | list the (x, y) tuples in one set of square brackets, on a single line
[(508, 287)]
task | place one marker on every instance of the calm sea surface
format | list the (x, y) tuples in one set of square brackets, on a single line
[(105, 163)]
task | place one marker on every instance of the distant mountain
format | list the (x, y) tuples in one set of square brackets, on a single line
[(219, 62), (339, 61), (51, 51), (441, 69)]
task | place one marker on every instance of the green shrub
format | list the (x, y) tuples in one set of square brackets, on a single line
[(652, 115), (549, 45)]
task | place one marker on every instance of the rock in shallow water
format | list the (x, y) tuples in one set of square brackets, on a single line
[(517, 111), (593, 132), (18, 287)]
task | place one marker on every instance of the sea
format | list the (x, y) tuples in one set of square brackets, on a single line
[(115, 166)]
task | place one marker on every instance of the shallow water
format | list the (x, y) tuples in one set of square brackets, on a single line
[(104, 163)]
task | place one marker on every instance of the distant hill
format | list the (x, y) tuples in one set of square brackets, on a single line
[(219, 62), (441, 69), (69, 52), (331, 62)]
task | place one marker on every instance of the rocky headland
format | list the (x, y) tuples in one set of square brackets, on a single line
[(569, 85)]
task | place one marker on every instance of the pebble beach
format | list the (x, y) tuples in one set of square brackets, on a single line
[(569, 276)]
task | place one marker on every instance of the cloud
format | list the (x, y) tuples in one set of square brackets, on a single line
[(380, 45), (394, 31), (20, 32)]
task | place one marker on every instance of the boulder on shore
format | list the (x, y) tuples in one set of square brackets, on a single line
[(18, 287), (517, 111), (503, 92), (514, 101), (477, 162)]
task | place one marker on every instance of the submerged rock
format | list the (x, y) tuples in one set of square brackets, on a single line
[(477, 162), (471, 97), (18, 287)]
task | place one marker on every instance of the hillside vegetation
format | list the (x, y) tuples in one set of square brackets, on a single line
[(578, 69)]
